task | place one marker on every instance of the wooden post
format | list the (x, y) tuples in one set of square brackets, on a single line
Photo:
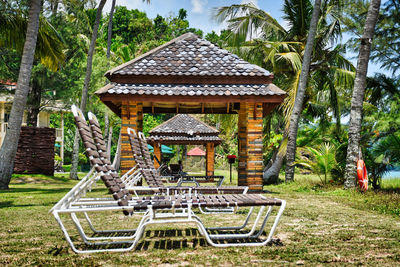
[(210, 159), (250, 170), (242, 145), (157, 153), (131, 117), (255, 146)]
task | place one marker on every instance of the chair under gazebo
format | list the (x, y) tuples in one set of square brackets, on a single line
[(184, 129)]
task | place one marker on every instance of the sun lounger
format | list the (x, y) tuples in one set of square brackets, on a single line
[(155, 209)]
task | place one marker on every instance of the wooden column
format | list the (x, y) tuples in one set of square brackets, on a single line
[(157, 153), (250, 169), (131, 117), (242, 145), (255, 147), (210, 159)]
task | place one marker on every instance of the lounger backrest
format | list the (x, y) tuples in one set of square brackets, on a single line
[(149, 174), (101, 149), (118, 193), (146, 152), (136, 151)]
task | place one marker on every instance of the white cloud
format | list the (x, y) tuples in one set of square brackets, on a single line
[(198, 5)]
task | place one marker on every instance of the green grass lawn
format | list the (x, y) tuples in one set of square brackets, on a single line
[(320, 226)]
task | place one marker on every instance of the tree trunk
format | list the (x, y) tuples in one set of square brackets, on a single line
[(184, 153), (358, 94), (10, 144), (109, 140), (54, 8), (107, 130), (298, 105), (117, 158), (34, 99), (271, 172), (109, 33), (75, 154)]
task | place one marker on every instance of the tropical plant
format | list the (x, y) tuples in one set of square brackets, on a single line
[(321, 162)]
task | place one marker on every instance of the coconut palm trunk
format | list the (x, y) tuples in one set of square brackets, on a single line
[(298, 105), (358, 94), (106, 115), (10, 144), (75, 154)]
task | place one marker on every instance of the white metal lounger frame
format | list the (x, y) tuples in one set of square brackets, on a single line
[(72, 203), (152, 217)]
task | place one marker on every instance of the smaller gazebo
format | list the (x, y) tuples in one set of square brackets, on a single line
[(196, 152), (184, 129)]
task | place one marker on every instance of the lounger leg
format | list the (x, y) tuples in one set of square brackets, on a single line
[(67, 237), (214, 211), (105, 231), (232, 227), (210, 240), (86, 239), (235, 227), (246, 235)]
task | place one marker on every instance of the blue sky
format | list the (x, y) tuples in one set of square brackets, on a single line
[(199, 11), (199, 14)]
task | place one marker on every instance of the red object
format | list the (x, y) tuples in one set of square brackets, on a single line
[(8, 82), (362, 175), (196, 152), (231, 156)]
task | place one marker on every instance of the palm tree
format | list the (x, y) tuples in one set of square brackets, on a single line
[(75, 154), (106, 116), (9, 147), (358, 94), (13, 26), (281, 51), (298, 104)]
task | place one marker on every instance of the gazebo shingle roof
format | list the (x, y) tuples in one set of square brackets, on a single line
[(184, 128), (189, 75), (189, 55), (194, 89)]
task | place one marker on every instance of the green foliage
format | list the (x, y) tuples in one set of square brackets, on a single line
[(321, 162), (13, 24), (149, 122), (82, 159), (386, 40)]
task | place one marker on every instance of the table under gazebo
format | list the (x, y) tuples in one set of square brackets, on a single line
[(191, 75)]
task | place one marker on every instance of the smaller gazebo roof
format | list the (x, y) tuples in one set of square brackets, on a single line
[(184, 129), (197, 152)]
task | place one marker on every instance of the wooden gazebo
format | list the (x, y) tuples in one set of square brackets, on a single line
[(191, 75), (184, 129)]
